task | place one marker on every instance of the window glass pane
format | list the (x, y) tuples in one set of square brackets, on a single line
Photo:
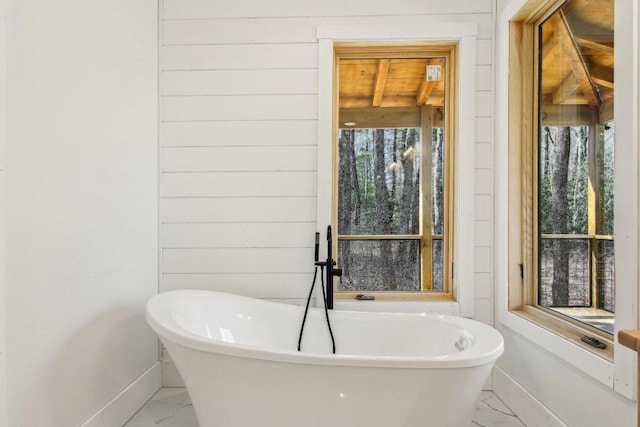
[(379, 265), (379, 181), (564, 273), (437, 179), (575, 168), (608, 137), (564, 175), (390, 189), (438, 266), (606, 276)]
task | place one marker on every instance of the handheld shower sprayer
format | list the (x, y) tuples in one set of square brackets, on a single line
[(330, 273), (317, 249)]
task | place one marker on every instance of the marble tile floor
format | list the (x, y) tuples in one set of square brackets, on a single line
[(171, 407)]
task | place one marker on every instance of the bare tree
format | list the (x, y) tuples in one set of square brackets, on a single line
[(349, 201), (559, 216), (383, 210)]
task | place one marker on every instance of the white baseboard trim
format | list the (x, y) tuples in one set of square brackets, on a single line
[(128, 401), (528, 409)]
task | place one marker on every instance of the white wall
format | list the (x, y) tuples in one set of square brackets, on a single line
[(239, 116), (545, 380), (3, 127), (80, 205)]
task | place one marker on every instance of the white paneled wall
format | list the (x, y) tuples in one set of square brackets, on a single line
[(4, 417), (239, 109), (79, 220)]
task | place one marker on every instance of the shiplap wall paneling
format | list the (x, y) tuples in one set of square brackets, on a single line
[(194, 9), (245, 107), (238, 260), (239, 57), (239, 133), (238, 235), (239, 184), (239, 87), (274, 286), (293, 30), (240, 82), (238, 209), (239, 159)]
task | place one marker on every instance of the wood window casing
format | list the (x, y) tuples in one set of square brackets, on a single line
[(523, 137), (420, 116)]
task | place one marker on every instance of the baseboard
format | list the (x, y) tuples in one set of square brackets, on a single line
[(528, 409), (128, 401)]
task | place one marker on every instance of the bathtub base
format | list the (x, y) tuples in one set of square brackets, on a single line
[(238, 392)]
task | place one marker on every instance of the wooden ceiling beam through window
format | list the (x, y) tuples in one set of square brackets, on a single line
[(381, 81), (390, 82), (577, 66), (602, 76), (550, 53), (600, 46), (390, 117), (426, 87), (566, 92)]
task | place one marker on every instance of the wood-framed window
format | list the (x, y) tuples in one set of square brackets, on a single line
[(562, 143), (393, 174)]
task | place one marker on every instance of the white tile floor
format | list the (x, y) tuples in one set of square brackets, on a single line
[(171, 407)]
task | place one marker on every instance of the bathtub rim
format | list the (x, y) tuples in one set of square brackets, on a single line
[(159, 307)]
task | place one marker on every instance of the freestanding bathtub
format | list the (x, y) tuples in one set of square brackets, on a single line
[(239, 361)]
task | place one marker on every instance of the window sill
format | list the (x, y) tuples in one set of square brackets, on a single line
[(442, 306), (567, 330), (397, 296), (553, 338)]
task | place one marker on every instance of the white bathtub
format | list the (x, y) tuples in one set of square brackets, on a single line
[(238, 359)]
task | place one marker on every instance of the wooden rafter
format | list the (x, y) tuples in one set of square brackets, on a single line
[(577, 66), (426, 87), (389, 82), (389, 117), (565, 91), (602, 76), (550, 52), (595, 45), (381, 81), (397, 100)]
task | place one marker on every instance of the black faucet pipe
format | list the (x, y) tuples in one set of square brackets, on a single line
[(324, 295), (329, 272)]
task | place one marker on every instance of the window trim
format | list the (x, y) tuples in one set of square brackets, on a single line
[(464, 34), (424, 116), (619, 373)]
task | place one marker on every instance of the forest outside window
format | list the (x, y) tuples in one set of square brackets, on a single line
[(567, 171), (393, 174)]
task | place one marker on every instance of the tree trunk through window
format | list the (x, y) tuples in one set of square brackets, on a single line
[(410, 196), (559, 215), (348, 192), (383, 210)]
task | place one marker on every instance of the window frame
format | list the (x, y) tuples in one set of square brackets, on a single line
[(423, 120), (618, 373), (465, 34), (523, 217)]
